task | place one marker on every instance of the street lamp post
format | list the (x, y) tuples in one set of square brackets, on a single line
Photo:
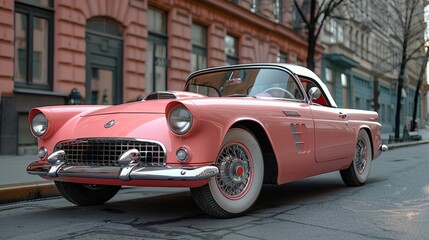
[(74, 97)]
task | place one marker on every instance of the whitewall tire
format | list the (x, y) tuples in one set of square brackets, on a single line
[(358, 171), (241, 173)]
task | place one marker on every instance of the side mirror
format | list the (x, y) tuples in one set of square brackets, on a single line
[(314, 93)]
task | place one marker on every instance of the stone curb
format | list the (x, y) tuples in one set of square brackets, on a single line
[(27, 191), (406, 144)]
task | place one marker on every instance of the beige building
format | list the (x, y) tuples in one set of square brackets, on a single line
[(361, 63)]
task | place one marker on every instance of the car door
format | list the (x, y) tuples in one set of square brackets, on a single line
[(332, 133)]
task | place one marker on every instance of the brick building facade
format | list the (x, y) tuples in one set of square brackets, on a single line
[(114, 51)]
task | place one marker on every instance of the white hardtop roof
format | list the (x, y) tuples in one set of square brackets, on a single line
[(305, 72)]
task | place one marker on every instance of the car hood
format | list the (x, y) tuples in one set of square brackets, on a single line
[(148, 107), (155, 104)]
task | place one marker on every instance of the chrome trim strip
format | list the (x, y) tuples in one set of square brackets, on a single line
[(168, 173), (142, 173), (89, 172)]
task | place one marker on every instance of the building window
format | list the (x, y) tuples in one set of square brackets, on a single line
[(231, 50), (368, 104), (351, 41), (199, 47), (281, 57), (254, 7), (278, 13), (357, 47), (156, 57), (357, 103), (329, 81), (336, 32), (345, 85), (340, 33), (383, 113), (367, 48), (34, 24)]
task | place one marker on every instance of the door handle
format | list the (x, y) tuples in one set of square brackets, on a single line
[(342, 115)]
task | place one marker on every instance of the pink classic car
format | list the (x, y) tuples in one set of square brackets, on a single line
[(231, 130)]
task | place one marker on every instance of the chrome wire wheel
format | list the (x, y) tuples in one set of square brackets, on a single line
[(241, 173), (361, 155), (235, 170), (358, 171)]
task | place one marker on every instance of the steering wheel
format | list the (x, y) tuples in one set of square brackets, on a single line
[(289, 94)]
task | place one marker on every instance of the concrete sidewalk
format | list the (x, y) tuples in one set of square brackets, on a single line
[(17, 185)]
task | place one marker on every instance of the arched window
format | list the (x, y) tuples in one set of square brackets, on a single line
[(104, 25)]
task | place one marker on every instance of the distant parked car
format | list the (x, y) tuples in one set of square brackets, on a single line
[(232, 129)]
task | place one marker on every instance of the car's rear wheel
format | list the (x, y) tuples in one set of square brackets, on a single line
[(241, 171), (358, 171), (86, 194)]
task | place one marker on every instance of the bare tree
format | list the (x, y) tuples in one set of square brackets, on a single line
[(407, 29), (314, 14), (419, 85)]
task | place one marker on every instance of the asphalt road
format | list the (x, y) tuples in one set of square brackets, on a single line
[(394, 204)]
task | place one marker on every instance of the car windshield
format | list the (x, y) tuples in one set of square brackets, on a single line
[(252, 82)]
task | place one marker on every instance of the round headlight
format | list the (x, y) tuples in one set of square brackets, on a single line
[(180, 120), (39, 124)]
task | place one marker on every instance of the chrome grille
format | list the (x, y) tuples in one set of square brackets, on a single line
[(106, 151)]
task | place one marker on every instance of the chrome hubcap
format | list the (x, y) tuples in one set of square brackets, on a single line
[(361, 155), (235, 171)]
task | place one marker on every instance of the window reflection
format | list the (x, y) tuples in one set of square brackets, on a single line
[(40, 51), (161, 67), (199, 47), (102, 86), (20, 47), (156, 57), (231, 50)]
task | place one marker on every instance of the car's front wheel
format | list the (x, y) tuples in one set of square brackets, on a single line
[(86, 194), (358, 171), (241, 171)]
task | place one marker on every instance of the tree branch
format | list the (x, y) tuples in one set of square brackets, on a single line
[(301, 13)]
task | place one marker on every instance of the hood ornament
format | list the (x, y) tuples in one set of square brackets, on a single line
[(109, 124)]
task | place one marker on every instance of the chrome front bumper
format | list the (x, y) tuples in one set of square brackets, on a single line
[(129, 170)]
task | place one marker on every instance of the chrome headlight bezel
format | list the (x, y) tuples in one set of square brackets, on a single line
[(39, 125), (180, 120)]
